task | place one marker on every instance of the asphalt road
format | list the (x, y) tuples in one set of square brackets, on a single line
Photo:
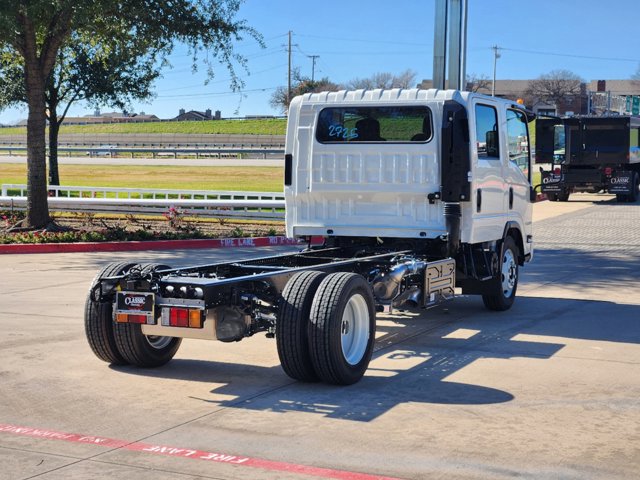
[(547, 390), (187, 162)]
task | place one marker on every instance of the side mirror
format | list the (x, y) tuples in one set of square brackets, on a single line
[(533, 196)]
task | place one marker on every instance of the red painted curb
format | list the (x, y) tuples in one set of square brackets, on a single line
[(147, 245)]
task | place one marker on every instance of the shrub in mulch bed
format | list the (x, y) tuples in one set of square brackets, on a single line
[(112, 235)]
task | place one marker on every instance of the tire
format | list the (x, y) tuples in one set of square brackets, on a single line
[(292, 326), (553, 197), (563, 197), (621, 198), (342, 329), (508, 279), (139, 349), (98, 319)]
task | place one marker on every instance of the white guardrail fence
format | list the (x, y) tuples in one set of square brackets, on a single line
[(202, 203)]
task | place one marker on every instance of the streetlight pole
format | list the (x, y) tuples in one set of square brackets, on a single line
[(496, 56)]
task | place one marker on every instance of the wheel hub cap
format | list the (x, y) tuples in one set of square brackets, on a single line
[(354, 332), (509, 273)]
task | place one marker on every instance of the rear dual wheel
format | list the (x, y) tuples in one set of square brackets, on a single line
[(292, 328), (326, 327), (145, 350), (121, 344), (98, 317)]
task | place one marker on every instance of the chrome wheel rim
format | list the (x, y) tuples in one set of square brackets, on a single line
[(354, 329), (509, 273), (158, 342)]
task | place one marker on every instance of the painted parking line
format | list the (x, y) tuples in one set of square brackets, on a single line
[(169, 451)]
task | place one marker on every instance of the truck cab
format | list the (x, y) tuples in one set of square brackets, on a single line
[(383, 164)]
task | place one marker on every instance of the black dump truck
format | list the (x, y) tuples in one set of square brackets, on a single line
[(589, 154)]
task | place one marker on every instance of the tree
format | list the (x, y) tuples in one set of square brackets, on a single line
[(385, 80), (280, 100), (111, 74), (34, 34), (555, 87), (476, 83)]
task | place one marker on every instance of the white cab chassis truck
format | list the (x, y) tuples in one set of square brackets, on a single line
[(414, 192)]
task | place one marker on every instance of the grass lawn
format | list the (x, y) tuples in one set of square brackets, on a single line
[(269, 126), (261, 179)]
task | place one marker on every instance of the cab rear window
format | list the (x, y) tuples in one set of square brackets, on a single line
[(400, 124)]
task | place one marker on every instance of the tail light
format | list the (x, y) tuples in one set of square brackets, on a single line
[(182, 317), (129, 318), (608, 171), (557, 171)]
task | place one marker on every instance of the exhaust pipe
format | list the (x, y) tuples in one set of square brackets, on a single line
[(386, 286), (452, 216), (410, 298)]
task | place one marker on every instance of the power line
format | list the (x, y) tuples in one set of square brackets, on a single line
[(361, 53), (570, 55), (362, 40), (222, 80), (239, 92)]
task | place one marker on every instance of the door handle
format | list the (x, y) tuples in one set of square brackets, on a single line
[(510, 198), (479, 200)]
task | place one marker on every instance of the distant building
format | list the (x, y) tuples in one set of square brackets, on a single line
[(110, 117), (195, 115), (515, 89), (616, 87)]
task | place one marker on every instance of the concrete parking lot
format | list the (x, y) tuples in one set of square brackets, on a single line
[(549, 389)]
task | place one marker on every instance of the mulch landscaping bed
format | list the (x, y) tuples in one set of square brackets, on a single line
[(107, 228)]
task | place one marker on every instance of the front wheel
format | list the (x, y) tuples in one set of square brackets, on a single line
[(145, 350), (507, 279), (342, 329)]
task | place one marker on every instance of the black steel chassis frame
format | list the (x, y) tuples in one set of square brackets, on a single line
[(225, 283)]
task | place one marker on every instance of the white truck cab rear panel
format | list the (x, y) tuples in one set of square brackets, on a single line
[(381, 188)]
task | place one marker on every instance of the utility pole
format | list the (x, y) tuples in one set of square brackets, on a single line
[(313, 65), (289, 74), (496, 56)]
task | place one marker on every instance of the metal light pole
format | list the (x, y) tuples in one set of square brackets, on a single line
[(450, 44)]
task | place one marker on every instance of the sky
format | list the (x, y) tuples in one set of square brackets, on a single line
[(354, 39)]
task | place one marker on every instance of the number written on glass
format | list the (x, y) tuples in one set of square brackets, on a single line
[(342, 132)]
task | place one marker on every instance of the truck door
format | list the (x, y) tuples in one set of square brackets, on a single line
[(488, 163), (517, 171)]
